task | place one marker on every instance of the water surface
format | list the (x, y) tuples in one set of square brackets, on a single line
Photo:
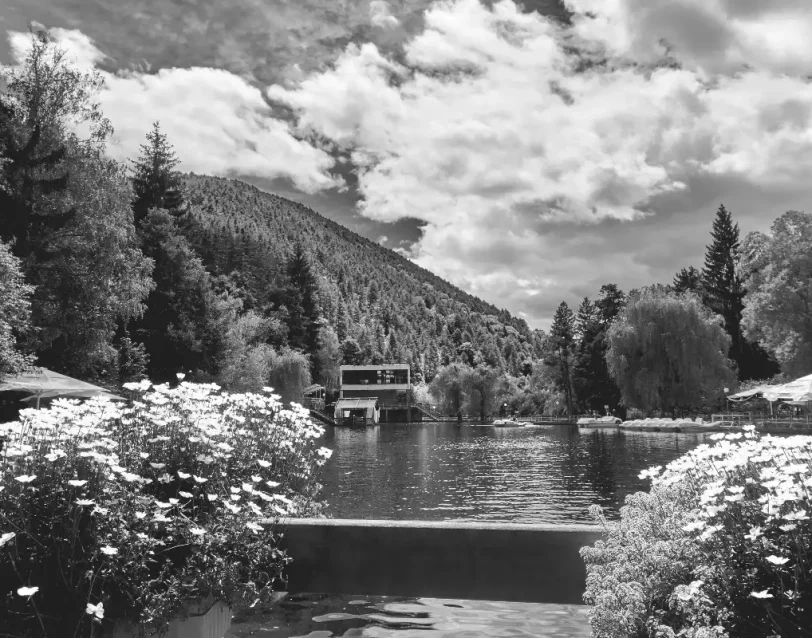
[(323, 616), (534, 474)]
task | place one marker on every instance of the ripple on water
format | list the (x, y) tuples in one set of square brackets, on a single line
[(526, 475), (398, 617)]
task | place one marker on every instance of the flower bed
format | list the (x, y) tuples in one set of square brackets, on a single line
[(719, 547), (127, 513)]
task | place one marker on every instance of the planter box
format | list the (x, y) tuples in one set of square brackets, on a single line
[(206, 619)]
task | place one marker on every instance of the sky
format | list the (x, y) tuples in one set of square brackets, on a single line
[(527, 153)]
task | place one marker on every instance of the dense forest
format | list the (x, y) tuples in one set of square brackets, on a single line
[(113, 273)]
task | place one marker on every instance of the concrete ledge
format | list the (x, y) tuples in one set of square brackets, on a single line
[(476, 561)]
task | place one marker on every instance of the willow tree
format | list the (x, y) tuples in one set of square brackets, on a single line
[(450, 388), (668, 352), (289, 374)]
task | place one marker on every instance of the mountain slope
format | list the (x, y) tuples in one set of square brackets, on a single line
[(396, 310)]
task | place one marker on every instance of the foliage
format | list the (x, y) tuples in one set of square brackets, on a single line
[(480, 386), (392, 309), (560, 353), (778, 269), (109, 513), (301, 302), (247, 357), (40, 100), (132, 361), (718, 548), (66, 209), (450, 389), (668, 352), (15, 313), (289, 373), (328, 359), (155, 182), (185, 325), (96, 277), (592, 385), (687, 280)]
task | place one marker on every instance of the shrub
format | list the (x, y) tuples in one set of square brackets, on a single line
[(719, 547), (110, 512)]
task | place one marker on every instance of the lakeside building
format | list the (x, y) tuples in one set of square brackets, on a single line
[(376, 394)]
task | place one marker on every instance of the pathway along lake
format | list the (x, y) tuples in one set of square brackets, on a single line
[(533, 474)]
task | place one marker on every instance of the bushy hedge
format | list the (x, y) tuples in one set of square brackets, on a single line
[(720, 546), (110, 512)]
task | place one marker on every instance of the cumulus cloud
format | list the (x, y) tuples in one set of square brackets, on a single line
[(380, 16), (489, 130), (382, 240), (715, 35), (218, 123), (541, 160)]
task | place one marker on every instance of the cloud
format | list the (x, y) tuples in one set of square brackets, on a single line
[(218, 123), (382, 240), (489, 131), (714, 35), (380, 16)]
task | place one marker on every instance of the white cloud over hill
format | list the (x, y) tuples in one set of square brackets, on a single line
[(537, 180)]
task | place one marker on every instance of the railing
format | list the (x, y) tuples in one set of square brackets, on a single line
[(314, 404), (322, 416), (737, 418), (744, 418)]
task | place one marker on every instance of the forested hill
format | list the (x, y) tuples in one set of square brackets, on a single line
[(394, 309)]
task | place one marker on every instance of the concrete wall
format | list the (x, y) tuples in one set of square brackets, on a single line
[(477, 561)]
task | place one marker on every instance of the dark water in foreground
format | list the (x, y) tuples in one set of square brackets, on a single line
[(321, 616), (534, 474)]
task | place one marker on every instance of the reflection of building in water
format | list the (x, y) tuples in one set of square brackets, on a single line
[(381, 393)]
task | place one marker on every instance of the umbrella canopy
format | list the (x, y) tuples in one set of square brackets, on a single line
[(798, 390), (42, 383), (748, 394)]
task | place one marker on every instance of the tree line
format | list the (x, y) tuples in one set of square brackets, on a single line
[(742, 319), (115, 272)]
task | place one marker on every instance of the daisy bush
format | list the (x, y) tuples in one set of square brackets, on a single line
[(127, 512), (718, 547)]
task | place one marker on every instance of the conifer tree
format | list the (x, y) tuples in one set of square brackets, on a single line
[(155, 181), (687, 280), (721, 281), (302, 303), (561, 344)]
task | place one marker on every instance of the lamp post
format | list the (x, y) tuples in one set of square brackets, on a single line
[(726, 400)]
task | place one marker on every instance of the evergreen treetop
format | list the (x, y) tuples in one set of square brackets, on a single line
[(155, 182)]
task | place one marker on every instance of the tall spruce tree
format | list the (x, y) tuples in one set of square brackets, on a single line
[(302, 303), (561, 344), (723, 287), (155, 181)]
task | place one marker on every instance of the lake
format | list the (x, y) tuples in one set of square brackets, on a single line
[(534, 474)]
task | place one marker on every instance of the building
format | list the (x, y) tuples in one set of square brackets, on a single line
[(379, 393)]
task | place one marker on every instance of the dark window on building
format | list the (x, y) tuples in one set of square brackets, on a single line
[(374, 377)]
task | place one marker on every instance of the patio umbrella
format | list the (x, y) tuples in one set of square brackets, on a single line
[(748, 394), (798, 390), (43, 384)]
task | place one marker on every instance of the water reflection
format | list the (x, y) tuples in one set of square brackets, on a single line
[(323, 616), (436, 471)]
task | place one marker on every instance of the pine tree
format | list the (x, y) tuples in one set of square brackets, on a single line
[(561, 343), (587, 315), (721, 281), (155, 182), (687, 280), (302, 303)]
